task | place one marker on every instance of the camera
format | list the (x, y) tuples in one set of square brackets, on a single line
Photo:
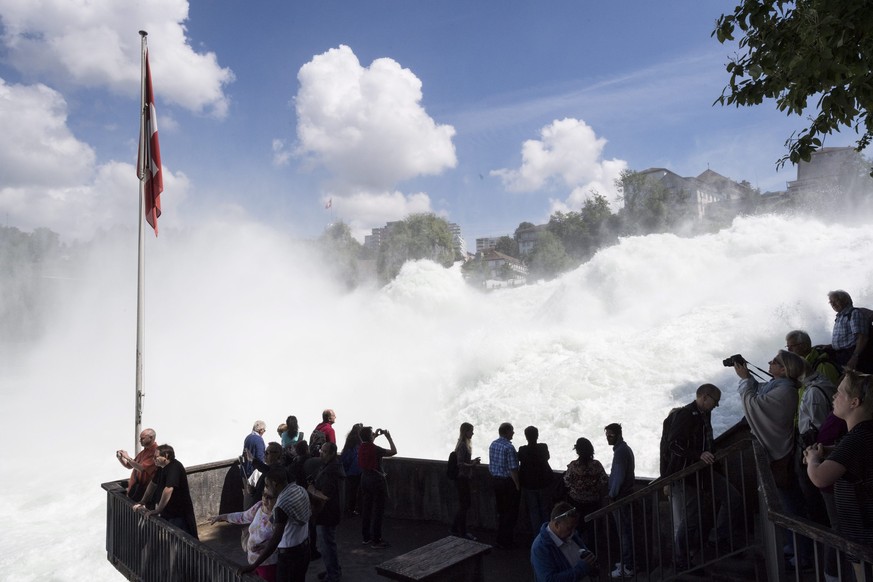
[(734, 359), (378, 432), (584, 553)]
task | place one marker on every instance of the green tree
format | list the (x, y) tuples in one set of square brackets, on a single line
[(340, 252), (794, 51), (419, 236), (549, 258), (507, 245), (649, 205)]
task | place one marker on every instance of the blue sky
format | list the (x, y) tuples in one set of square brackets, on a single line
[(488, 113)]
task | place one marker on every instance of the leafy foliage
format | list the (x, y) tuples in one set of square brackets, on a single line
[(340, 252), (649, 205), (507, 245), (419, 236), (583, 233), (794, 51), (548, 259)]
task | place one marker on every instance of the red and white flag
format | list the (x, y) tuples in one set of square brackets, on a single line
[(154, 182)]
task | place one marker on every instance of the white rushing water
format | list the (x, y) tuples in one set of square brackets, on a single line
[(241, 326)]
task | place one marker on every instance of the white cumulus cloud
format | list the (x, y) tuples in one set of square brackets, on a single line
[(38, 149), (51, 179), (366, 125), (95, 44), (568, 154)]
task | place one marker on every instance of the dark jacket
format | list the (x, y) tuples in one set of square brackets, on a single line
[(689, 436), (534, 471), (329, 480)]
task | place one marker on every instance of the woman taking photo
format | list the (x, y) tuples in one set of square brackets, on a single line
[(464, 452)]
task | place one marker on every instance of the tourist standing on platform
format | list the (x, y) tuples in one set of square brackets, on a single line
[(374, 486), (798, 342), (689, 440), (586, 483), (536, 478), (142, 466), (851, 333), (171, 482), (503, 466), (621, 484), (258, 518), (290, 530), (466, 462), (254, 446), (330, 481), (349, 458), (322, 433), (558, 553), (849, 465)]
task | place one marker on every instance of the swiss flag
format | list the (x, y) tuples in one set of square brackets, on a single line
[(154, 182)]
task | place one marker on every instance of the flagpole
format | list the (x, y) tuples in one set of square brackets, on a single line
[(140, 278)]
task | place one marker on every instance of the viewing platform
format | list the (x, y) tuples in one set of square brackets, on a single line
[(422, 504)]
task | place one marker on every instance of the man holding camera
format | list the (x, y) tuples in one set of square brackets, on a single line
[(142, 466), (558, 552), (374, 486)]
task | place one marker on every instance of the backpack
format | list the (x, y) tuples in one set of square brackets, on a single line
[(316, 439), (452, 466), (665, 443)]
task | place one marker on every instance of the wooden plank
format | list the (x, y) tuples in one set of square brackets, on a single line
[(430, 560)]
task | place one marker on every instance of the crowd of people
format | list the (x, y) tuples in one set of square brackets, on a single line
[(813, 416)]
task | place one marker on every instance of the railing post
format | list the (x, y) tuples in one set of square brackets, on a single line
[(770, 541)]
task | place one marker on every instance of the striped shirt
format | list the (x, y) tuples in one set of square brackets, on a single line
[(292, 511), (847, 324)]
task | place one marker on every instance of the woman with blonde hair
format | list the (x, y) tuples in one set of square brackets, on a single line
[(466, 462)]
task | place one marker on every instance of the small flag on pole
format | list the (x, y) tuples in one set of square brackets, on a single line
[(149, 147), (329, 203)]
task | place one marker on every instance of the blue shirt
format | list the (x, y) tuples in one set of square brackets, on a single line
[(550, 564), (621, 477), (502, 458), (847, 324), (254, 444)]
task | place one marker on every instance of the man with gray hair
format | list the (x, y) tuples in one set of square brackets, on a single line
[(851, 333), (798, 342), (254, 444)]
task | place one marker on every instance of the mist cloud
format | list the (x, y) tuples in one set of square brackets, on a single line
[(568, 153), (61, 42)]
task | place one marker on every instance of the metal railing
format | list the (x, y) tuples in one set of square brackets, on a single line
[(149, 549), (818, 540), (668, 541), (664, 540)]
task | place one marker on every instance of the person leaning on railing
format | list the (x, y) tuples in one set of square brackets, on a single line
[(849, 464), (260, 530)]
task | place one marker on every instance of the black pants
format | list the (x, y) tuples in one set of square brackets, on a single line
[(459, 526), (292, 563), (507, 496), (374, 492)]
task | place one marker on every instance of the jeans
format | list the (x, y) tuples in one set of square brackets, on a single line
[(327, 547), (625, 535), (507, 497), (374, 492), (537, 501), (686, 502), (292, 563)]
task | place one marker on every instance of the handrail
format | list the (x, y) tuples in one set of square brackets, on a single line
[(150, 549), (661, 481), (803, 526)]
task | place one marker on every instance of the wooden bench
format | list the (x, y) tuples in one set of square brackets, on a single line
[(451, 558)]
